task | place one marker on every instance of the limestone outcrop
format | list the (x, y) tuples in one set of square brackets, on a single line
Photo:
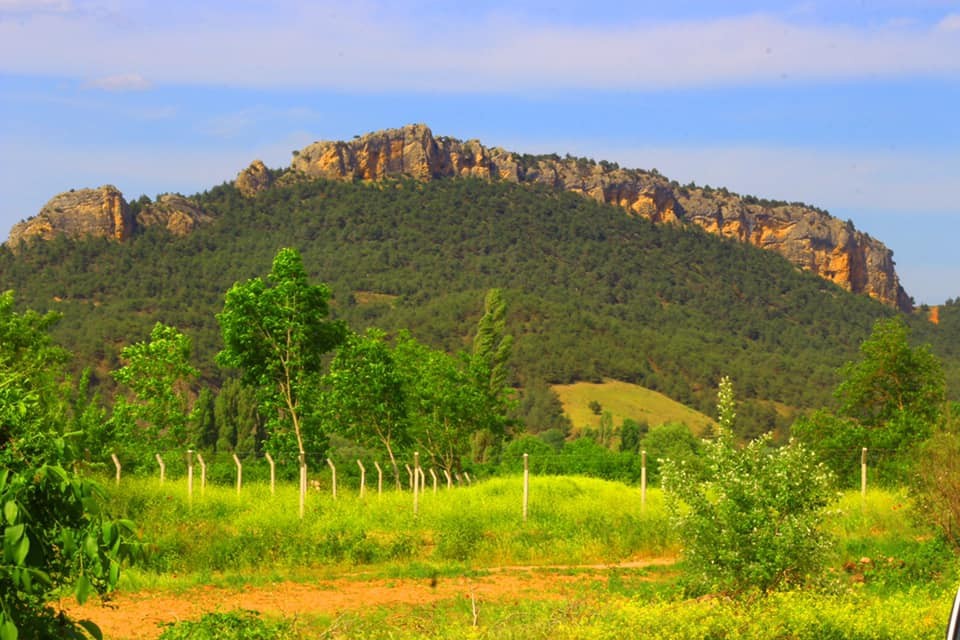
[(177, 214), (808, 237), (104, 213), (253, 179), (99, 213)]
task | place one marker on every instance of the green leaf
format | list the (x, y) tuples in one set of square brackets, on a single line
[(8, 631), (91, 548), (21, 550), (11, 511), (82, 589), (91, 628), (12, 534)]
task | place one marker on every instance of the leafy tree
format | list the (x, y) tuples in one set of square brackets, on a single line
[(445, 406), (365, 396), (160, 375), (754, 523), (891, 378), (540, 409), (889, 401), (276, 333), (55, 535), (31, 374), (672, 441), (239, 425)]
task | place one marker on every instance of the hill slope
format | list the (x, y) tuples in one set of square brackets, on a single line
[(592, 293)]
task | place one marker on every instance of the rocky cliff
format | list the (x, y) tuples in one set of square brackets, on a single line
[(809, 238), (103, 213)]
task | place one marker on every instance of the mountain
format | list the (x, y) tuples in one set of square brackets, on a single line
[(592, 293), (808, 237)]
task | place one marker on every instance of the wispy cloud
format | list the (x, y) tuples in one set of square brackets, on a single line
[(351, 48), (35, 6), (949, 23), (120, 82)]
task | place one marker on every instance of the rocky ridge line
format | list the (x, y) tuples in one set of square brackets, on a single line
[(809, 238)]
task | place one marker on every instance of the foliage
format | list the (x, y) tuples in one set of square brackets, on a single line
[(276, 334), (891, 379), (160, 375), (54, 537), (31, 374), (754, 522), (365, 397), (571, 519), (240, 624), (889, 401), (445, 405), (937, 483), (589, 287)]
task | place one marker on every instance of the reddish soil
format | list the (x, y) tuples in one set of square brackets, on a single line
[(139, 616)]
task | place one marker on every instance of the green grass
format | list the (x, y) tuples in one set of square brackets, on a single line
[(571, 520), (902, 591), (625, 400)]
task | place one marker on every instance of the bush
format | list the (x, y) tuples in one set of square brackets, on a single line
[(755, 522), (234, 625)]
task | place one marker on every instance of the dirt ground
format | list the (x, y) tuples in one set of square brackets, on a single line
[(139, 615)]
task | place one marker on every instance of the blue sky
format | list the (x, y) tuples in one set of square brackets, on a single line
[(853, 106)]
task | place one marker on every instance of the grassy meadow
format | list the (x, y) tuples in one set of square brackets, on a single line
[(889, 576), (624, 400)]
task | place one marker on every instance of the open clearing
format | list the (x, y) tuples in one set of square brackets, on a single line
[(139, 615)]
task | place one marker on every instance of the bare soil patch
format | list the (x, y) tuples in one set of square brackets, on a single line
[(139, 615)]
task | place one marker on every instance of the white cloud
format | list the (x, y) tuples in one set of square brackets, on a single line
[(120, 82), (367, 48), (949, 23), (35, 6)]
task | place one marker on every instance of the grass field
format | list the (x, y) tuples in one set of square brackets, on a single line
[(590, 561), (624, 400)]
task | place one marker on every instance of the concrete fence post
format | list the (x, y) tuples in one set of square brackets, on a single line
[(237, 462), (273, 473), (116, 463), (203, 474), (190, 476), (416, 482), (333, 476), (303, 482), (526, 484), (363, 479), (643, 481)]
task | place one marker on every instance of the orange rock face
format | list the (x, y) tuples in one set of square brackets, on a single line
[(101, 213), (811, 239)]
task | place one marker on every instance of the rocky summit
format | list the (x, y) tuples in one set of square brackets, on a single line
[(104, 213), (808, 237)]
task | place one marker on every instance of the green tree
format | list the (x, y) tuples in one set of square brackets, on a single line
[(55, 535), (276, 333), (365, 397), (32, 415), (239, 425), (444, 404), (160, 375), (754, 521), (891, 379), (890, 401)]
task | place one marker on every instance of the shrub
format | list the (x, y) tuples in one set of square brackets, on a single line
[(754, 523)]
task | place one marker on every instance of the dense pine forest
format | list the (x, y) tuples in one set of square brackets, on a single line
[(592, 293)]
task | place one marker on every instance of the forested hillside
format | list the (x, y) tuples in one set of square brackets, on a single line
[(591, 292)]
